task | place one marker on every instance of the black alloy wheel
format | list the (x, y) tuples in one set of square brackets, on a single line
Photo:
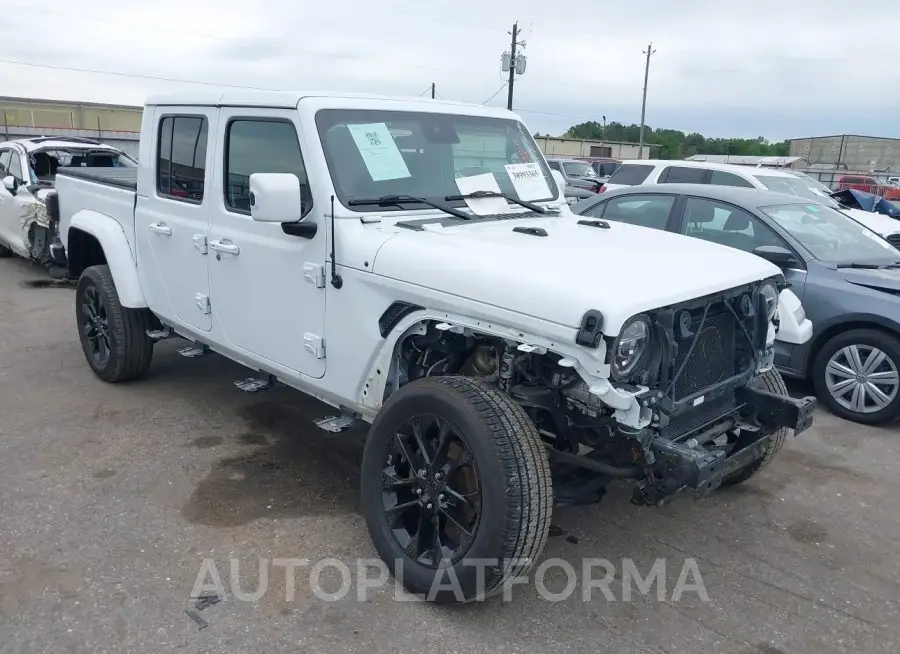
[(95, 325), (431, 491)]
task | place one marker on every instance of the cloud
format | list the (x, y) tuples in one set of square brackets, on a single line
[(742, 68)]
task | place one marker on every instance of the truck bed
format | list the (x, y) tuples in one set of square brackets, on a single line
[(125, 178)]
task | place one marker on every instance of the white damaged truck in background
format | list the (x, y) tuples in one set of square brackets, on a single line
[(28, 170), (413, 264)]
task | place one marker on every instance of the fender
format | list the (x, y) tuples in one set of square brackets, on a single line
[(116, 249), (588, 363)]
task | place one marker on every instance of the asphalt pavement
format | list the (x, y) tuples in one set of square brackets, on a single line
[(115, 498)]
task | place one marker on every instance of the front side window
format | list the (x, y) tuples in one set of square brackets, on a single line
[(374, 153), (261, 146), (631, 174), (641, 210), (721, 178), (683, 175), (15, 167), (831, 236), (726, 224), (181, 157), (4, 161)]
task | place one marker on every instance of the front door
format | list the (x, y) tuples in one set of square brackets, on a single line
[(267, 296), (172, 219)]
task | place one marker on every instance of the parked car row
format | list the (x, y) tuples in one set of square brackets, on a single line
[(508, 354)]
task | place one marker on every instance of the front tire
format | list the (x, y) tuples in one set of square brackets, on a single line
[(114, 338), (771, 381), (857, 375), (456, 489)]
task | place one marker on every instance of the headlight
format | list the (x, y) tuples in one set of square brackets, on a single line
[(631, 346), (770, 293)]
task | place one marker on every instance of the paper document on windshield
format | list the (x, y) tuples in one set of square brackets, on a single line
[(482, 206), (379, 151), (528, 181)]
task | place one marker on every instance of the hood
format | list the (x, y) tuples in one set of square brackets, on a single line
[(882, 279), (620, 271), (878, 223)]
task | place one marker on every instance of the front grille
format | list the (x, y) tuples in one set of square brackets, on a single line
[(698, 417), (713, 358), (894, 239)]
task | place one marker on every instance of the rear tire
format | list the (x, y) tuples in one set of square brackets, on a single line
[(114, 338), (771, 381), (864, 342), (482, 545)]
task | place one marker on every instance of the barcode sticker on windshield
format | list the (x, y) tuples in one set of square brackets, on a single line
[(379, 151), (529, 181)]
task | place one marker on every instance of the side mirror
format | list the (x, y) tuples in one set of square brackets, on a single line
[(776, 254), (560, 182), (275, 198), (10, 184)]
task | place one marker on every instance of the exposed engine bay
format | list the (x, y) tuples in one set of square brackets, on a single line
[(696, 375)]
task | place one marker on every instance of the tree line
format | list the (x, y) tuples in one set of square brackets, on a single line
[(674, 144)]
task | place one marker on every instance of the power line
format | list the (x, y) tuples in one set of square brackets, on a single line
[(159, 78), (494, 94), (134, 75)]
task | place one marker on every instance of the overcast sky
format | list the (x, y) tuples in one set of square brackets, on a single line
[(775, 68)]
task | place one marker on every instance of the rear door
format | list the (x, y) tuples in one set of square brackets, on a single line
[(267, 289), (171, 217)]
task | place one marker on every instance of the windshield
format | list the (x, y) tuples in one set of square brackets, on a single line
[(578, 169), (830, 236), (812, 181), (796, 186), (373, 154)]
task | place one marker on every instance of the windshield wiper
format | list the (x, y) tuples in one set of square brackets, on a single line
[(494, 194), (396, 200)]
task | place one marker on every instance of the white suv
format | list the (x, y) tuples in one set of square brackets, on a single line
[(673, 171)]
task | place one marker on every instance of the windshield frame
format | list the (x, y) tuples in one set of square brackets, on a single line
[(327, 117), (798, 242)]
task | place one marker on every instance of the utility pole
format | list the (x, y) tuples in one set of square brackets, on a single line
[(512, 65), (603, 136), (649, 51), (432, 90)]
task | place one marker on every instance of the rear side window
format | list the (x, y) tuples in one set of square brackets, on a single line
[(721, 178), (631, 174), (261, 146), (181, 158), (4, 161), (683, 175)]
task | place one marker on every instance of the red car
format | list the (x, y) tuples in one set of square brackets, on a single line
[(873, 185)]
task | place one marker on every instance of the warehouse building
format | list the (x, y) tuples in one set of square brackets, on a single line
[(849, 152), (557, 146), (117, 125)]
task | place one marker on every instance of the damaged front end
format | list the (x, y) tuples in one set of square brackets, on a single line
[(712, 405)]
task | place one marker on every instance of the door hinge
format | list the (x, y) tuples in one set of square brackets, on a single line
[(200, 243), (314, 344), (314, 273), (203, 303)]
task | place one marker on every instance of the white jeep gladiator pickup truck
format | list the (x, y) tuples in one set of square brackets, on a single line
[(413, 264)]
